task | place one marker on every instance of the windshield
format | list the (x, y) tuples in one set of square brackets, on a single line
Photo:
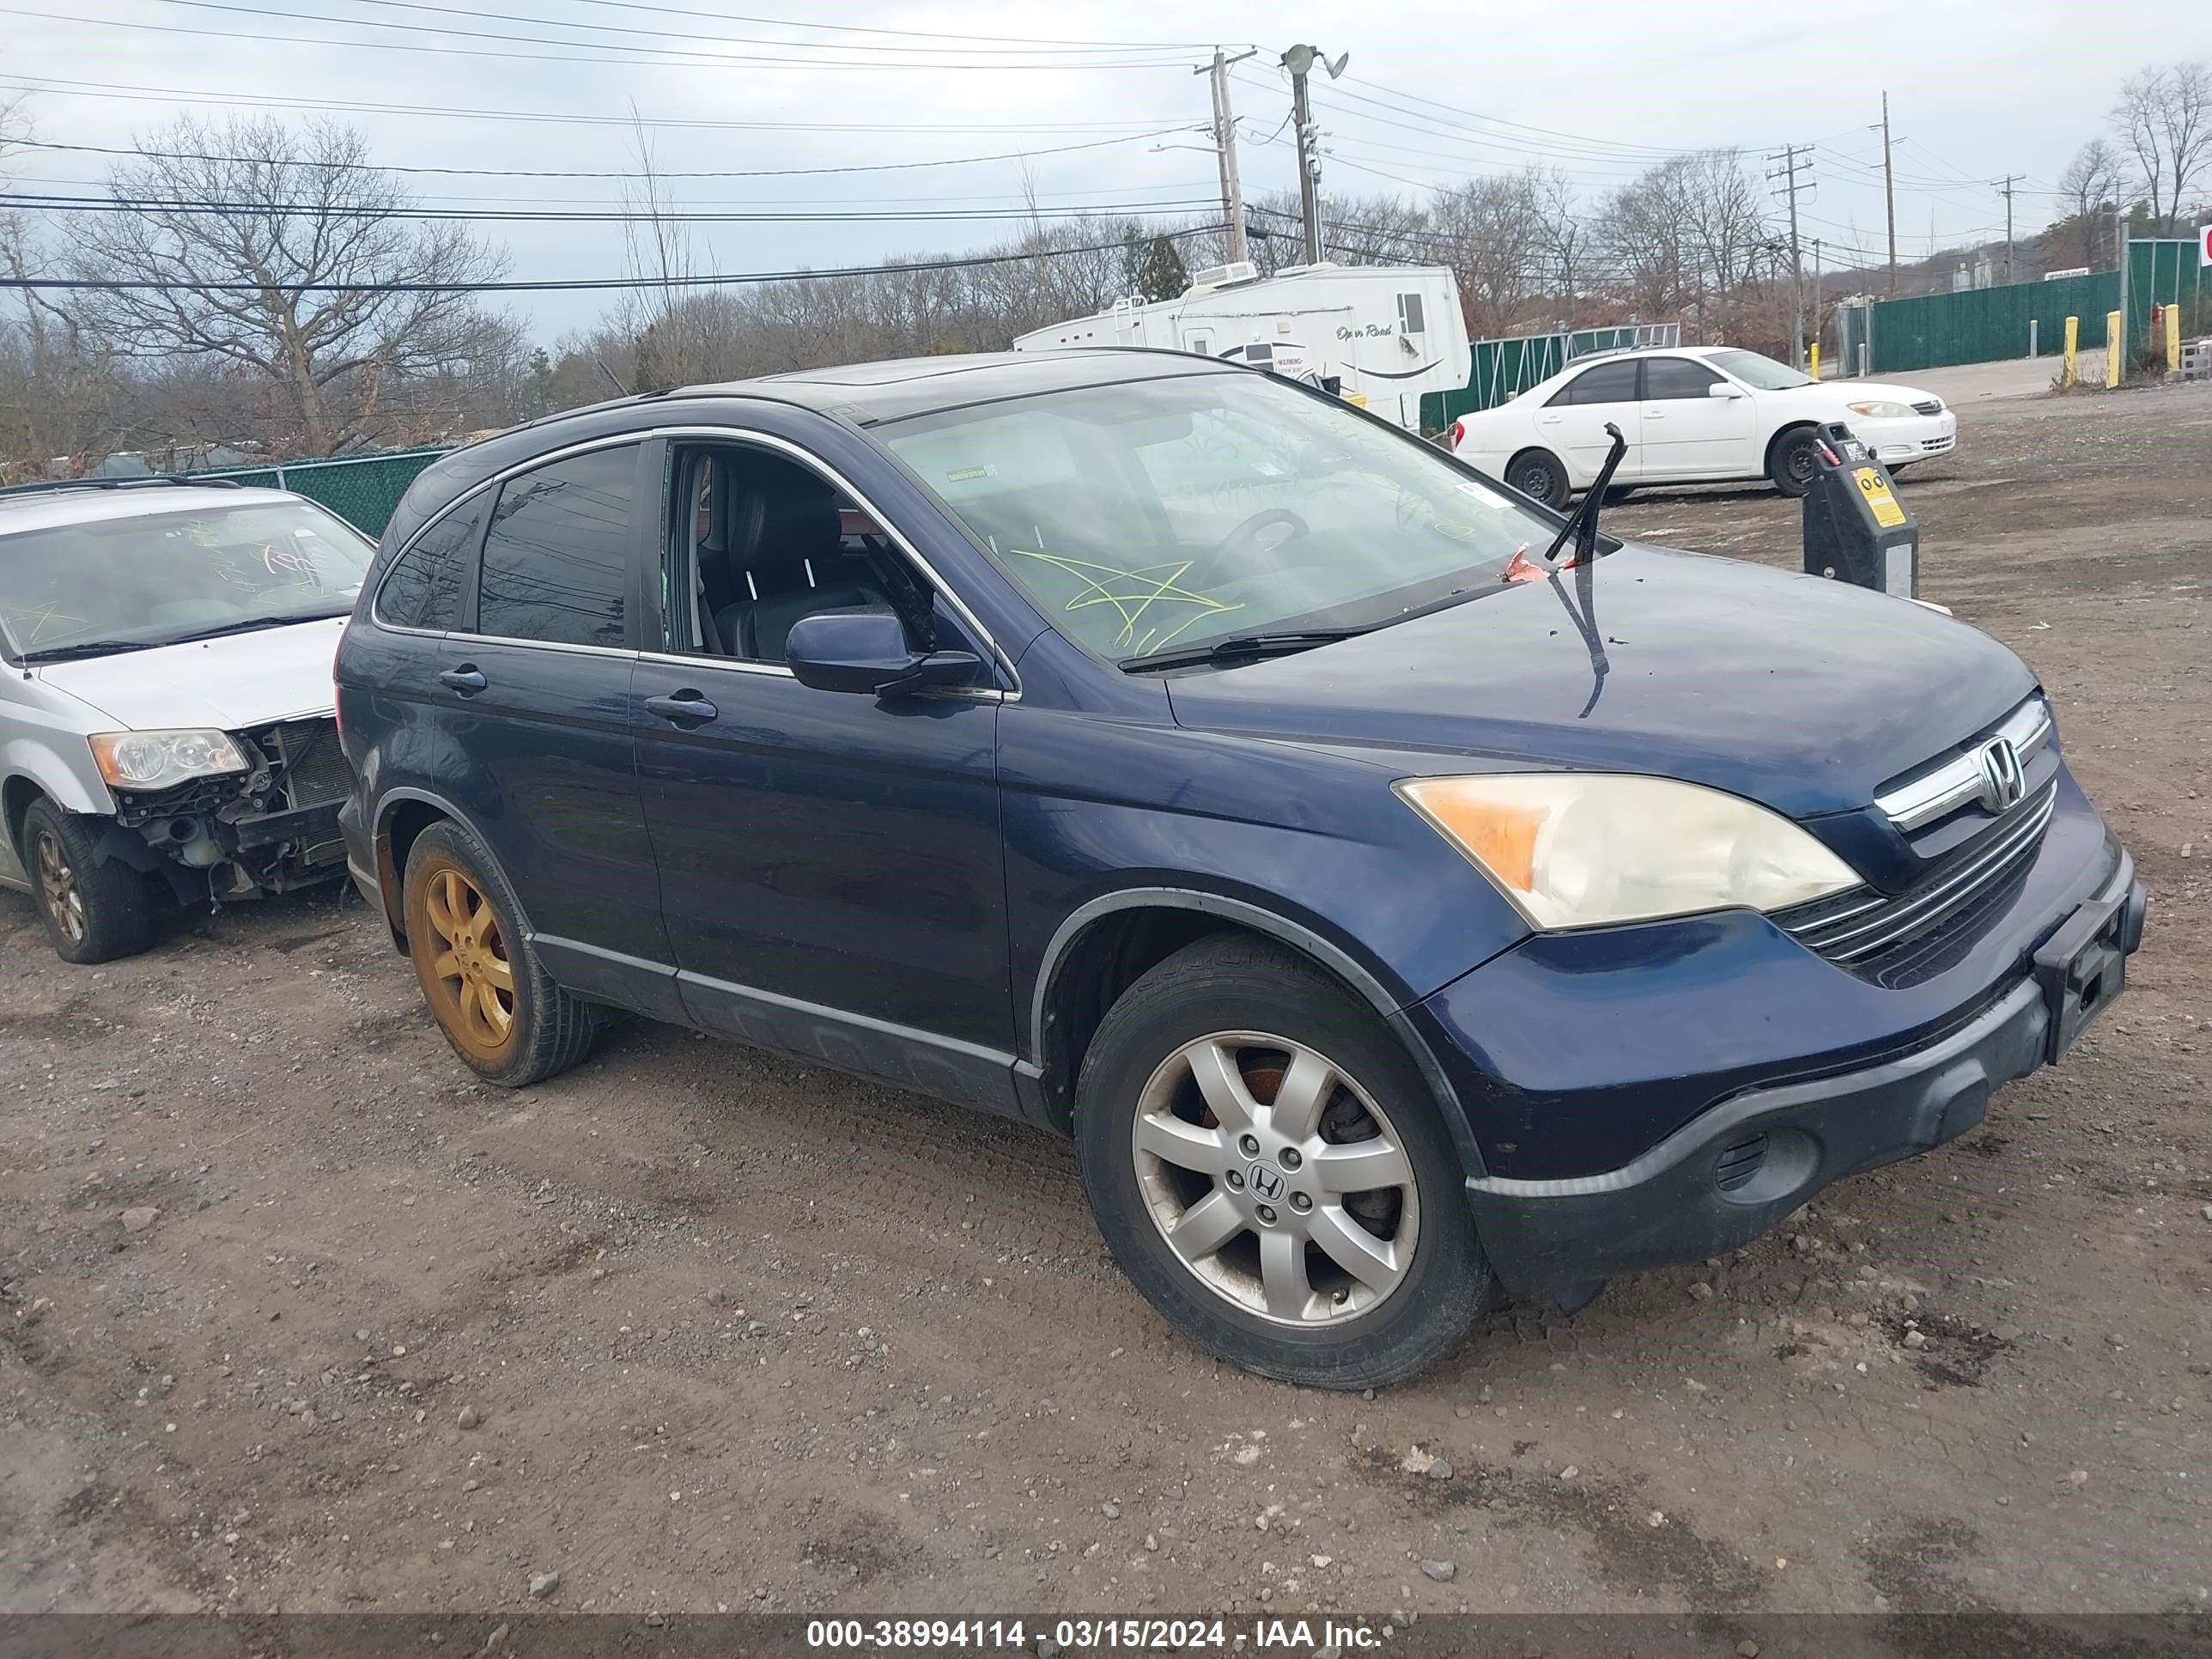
[(1761, 373), (1161, 514), (116, 583)]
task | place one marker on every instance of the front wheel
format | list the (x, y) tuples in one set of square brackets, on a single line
[(94, 909), (1270, 1169), (1792, 459)]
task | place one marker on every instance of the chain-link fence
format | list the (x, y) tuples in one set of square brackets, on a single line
[(362, 490)]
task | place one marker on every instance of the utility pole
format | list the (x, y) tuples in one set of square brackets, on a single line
[(1816, 289), (1889, 190), (1299, 61), (1792, 166), (1225, 144), (2005, 188)]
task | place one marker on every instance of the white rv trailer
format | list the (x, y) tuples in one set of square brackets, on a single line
[(1387, 334)]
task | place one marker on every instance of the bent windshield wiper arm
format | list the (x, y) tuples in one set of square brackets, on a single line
[(1583, 526), (1242, 648)]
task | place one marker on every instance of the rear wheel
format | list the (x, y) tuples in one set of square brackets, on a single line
[(1270, 1169), (95, 910), (1792, 459), (502, 1013), (1537, 474)]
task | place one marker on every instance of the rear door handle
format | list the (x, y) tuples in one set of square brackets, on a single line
[(466, 679), (686, 708)]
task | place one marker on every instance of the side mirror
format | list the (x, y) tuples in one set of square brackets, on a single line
[(1724, 389), (866, 649)]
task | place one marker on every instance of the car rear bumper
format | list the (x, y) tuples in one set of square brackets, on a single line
[(1733, 1172)]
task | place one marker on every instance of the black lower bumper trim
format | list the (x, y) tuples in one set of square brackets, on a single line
[(313, 827), (1732, 1173)]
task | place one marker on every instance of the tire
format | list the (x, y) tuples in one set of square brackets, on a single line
[(1790, 460), (492, 997), (1253, 1013), (95, 910), (1616, 494), (1537, 474)]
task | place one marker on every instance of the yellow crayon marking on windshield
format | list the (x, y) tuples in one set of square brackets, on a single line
[(1152, 591)]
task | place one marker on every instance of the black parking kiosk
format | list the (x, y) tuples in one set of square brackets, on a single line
[(1856, 528)]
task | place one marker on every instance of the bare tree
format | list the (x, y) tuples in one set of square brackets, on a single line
[(1491, 232), (2088, 194), (203, 211), (1565, 241), (2164, 118)]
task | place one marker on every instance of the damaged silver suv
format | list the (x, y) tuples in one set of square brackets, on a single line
[(166, 726)]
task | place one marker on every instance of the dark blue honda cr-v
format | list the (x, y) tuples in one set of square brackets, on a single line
[(1176, 758)]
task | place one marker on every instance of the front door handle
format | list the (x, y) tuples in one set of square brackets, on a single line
[(687, 708), (466, 679)]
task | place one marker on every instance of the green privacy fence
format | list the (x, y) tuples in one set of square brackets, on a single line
[(1989, 325), (2163, 272), (1501, 370), (1978, 324), (361, 490)]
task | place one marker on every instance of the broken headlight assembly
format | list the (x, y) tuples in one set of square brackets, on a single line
[(162, 760)]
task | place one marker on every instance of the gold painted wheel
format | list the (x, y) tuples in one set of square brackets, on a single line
[(57, 886), (460, 955)]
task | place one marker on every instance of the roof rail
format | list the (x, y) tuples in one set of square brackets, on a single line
[(55, 486)]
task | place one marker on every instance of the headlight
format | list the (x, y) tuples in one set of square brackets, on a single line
[(1580, 850), (154, 760), (1881, 411)]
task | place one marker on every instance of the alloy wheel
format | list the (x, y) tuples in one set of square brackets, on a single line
[(466, 970), (57, 886), (1276, 1178)]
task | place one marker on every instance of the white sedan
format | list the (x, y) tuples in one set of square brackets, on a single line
[(1695, 415)]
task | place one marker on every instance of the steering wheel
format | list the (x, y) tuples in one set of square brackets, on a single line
[(1245, 538)]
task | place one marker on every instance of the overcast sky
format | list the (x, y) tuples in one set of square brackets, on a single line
[(1976, 90)]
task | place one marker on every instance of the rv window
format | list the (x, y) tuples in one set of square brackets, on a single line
[(1409, 314), (1262, 353), (1201, 345)]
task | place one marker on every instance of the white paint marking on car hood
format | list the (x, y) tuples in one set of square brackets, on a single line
[(230, 684)]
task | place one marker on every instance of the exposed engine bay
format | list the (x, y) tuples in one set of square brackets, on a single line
[(272, 829)]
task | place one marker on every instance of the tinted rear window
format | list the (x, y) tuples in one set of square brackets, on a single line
[(429, 585)]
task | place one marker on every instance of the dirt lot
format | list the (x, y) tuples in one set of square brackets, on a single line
[(736, 1333)]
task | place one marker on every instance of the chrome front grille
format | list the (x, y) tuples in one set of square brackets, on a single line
[(1930, 406), (1960, 780), (1861, 928)]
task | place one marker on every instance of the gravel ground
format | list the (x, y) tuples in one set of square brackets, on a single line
[(293, 1317)]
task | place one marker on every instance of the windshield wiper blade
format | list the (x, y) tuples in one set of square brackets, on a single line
[(87, 648), (1243, 648), (253, 623)]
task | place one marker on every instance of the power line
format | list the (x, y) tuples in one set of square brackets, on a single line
[(53, 87), (909, 34), (735, 279), (519, 173), (598, 57), (188, 207), (989, 50)]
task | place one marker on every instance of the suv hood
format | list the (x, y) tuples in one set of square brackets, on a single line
[(1801, 693), (230, 684)]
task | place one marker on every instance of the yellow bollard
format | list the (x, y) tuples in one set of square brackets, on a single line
[(2116, 347), (2073, 340), (2172, 338), (1815, 370)]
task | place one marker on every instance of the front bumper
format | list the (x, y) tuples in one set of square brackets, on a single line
[(1733, 1172), (1902, 442)]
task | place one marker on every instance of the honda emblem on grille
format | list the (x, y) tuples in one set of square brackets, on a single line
[(2002, 781)]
